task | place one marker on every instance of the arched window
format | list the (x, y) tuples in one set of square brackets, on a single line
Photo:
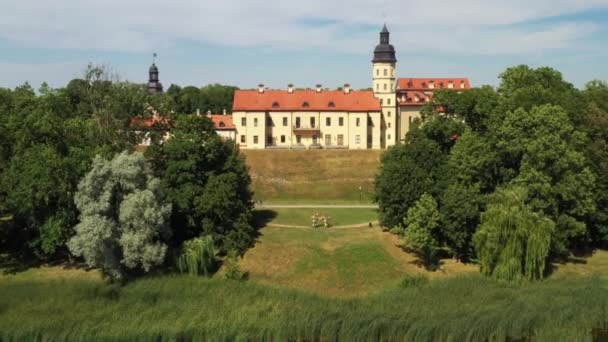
[(275, 104), (331, 104), (222, 124), (305, 104)]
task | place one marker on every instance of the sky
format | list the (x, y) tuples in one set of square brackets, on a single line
[(277, 42)]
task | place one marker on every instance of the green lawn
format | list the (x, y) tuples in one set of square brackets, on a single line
[(313, 176), (339, 216)]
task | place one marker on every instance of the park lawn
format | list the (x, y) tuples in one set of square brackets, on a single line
[(313, 176), (338, 216), (337, 262)]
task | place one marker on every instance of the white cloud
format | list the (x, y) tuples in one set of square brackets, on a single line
[(138, 25)]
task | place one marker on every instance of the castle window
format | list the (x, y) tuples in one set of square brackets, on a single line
[(284, 121), (328, 121), (340, 121), (357, 139), (275, 105), (242, 139), (385, 72), (298, 139), (377, 72), (358, 122), (282, 138), (255, 122), (385, 86), (377, 86), (243, 121), (331, 104), (305, 104), (388, 137), (312, 122), (389, 101), (255, 139), (389, 125), (388, 113)]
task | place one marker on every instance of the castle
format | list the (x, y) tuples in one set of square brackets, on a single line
[(332, 119)]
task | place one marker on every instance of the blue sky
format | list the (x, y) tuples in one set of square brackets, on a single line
[(277, 42)]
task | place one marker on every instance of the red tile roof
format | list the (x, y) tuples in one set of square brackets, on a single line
[(417, 91), (306, 100), (222, 122), (141, 123), (440, 83)]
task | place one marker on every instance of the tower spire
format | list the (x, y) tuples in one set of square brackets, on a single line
[(384, 52), (154, 85)]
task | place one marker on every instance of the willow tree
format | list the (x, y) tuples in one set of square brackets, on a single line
[(513, 241), (122, 220)]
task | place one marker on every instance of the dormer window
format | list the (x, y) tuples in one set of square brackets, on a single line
[(432, 84), (222, 124), (440, 84), (423, 84), (305, 105), (331, 104), (275, 104), (461, 84), (410, 84)]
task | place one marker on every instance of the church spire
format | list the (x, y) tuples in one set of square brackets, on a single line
[(154, 85), (384, 52)]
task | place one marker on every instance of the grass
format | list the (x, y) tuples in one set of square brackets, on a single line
[(339, 216), (315, 176), (335, 262), (35, 305)]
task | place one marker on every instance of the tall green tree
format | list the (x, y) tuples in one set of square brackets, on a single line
[(207, 181), (513, 241), (123, 222), (420, 227), (544, 153)]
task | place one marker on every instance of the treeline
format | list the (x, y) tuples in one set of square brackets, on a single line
[(71, 184), (511, 177)]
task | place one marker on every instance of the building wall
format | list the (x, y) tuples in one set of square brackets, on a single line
[(357, 138), (226, 134), (407, 114), (383, 85)]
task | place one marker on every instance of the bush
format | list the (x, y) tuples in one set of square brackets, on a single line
[(198, 256), (233, 271)]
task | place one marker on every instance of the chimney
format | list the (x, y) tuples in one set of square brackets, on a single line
[(346, 88), (261, 88), (319, 89), (290, 88), (224, 111)]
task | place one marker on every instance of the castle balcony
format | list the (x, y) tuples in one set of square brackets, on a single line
[(302, 128)]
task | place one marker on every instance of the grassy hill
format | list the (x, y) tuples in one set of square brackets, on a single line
[(317, 176)]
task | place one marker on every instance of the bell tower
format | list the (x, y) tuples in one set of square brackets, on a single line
[(383, 83), (154, 85)]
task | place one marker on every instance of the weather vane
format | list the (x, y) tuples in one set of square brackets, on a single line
[(154, 57)]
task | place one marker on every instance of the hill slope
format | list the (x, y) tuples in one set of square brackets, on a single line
[(317, 176)]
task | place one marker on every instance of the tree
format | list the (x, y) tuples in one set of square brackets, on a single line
[(122, 221), (406, 172), (543, 152), (207, 181), (595, 125), (420, 225), (460, 209), (513, 241)]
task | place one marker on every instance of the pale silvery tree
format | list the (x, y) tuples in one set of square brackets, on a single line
[(122, 222)]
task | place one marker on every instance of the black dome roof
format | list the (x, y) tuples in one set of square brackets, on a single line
[(384, 52), (153, 68)]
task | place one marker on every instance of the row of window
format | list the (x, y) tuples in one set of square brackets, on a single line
[(384, 72), (340, 139), (270, 122)]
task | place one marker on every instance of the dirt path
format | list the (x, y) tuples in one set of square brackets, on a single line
[(357, 225), (314, 206)]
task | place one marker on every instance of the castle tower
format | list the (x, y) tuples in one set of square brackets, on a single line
[(154, 85), (383, 77)]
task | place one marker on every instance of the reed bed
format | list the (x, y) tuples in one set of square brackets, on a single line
[(171, 308)]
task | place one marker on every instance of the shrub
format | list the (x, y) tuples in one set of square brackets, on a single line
[(198, 256)]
